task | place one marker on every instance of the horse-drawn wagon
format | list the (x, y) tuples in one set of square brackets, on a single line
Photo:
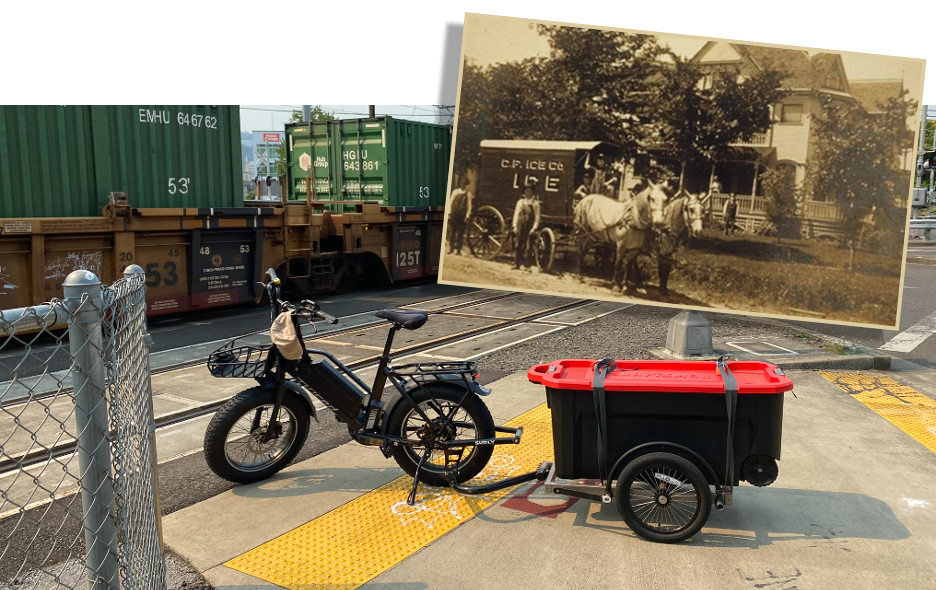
[(506, 167)]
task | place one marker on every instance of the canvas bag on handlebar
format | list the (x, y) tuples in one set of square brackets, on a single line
[(283, 335)]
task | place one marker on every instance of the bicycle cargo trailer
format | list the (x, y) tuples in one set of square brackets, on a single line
[(661, 428)]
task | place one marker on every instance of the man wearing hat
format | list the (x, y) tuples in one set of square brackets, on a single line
[(526, 219), (460, 214)]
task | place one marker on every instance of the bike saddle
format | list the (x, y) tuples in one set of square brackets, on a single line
[(408, 319)]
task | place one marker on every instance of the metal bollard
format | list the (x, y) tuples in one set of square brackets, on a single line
[(83, 299), (129, 272)]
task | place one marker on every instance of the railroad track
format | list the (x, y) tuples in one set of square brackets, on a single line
[(25, 460)]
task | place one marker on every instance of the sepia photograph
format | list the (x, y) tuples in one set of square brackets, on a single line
[(682, 171)]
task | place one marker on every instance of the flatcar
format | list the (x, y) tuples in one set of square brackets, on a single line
[(103, 187)]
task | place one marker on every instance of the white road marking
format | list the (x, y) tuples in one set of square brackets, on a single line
[(913, 336)]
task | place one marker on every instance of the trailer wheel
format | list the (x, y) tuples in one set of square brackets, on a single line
[(663, 497)]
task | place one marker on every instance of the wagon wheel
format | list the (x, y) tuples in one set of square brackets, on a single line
[(486, 232), (545, 249)]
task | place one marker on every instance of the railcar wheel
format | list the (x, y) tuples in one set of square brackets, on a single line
[(486, 231), (663, 497)]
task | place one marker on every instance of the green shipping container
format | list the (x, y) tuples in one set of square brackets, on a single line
[(390, 161), (62, 161)]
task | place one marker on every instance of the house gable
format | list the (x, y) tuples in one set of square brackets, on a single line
[(828, 73), (717, 52)]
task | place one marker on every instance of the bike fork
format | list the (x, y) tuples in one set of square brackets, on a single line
[(272, 428)]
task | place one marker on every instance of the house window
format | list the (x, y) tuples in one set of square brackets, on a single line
[(791, 113)]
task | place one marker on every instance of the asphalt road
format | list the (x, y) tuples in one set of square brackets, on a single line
[(919, 301), (916, 250)]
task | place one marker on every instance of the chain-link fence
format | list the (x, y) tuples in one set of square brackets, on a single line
[(78, 489)]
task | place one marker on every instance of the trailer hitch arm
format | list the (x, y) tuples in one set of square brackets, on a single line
[(540, 474)]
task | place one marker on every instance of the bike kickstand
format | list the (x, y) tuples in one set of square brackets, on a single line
[(411, 500)]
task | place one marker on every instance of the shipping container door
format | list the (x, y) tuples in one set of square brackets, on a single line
[(310, 154), (361, 156)]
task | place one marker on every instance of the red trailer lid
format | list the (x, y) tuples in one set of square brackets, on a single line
[(663, 376)]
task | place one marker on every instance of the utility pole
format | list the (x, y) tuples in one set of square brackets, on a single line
[(306, 113), (371, 111), (924, 112)]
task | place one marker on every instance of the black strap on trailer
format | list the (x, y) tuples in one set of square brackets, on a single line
[(731, 400), (602, 369)]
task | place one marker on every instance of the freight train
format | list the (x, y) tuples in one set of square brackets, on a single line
[(103, 187)]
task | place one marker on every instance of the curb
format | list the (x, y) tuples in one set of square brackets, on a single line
[(817, 362), (862, 358), (924, 261)]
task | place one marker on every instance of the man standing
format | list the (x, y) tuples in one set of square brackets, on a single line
[(526, 221), (462, 200), (730, 212)]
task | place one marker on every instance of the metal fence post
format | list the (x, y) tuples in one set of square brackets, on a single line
[(130, 272), (83, 299)]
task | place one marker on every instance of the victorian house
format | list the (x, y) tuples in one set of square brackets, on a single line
[(791, 139)]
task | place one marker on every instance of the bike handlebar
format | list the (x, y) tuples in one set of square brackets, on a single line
[(330, 318), (272, 274)]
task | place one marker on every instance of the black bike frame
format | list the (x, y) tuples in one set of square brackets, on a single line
[(276, 367)]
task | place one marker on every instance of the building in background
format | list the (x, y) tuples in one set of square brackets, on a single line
[(259, 151)]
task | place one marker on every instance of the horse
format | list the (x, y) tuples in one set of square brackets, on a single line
[(682, 220), (625, 225)]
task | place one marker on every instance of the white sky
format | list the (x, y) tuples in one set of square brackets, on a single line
[(272, 117), (489, 40)]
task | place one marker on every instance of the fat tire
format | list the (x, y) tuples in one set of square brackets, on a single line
[(231, 412), (480, 416), (695, 477)]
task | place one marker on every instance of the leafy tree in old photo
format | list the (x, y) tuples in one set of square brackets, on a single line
[(779, 185), (857, 165), (609, 77), (595, 85), (700, 122)]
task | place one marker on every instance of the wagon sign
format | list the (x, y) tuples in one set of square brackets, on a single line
[(506, 166)]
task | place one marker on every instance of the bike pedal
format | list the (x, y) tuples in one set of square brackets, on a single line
[(386, 447)]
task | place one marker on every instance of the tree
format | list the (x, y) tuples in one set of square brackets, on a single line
[(856, 163), (701, 123), (608, 77), (779, 186), (595, 85), (316, 114)]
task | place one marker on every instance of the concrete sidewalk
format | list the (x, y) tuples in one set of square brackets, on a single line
[(852, 502)]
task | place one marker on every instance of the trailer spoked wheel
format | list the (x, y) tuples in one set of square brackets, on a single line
[(663, 497)]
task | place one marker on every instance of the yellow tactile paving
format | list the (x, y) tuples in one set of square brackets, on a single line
[(902, 406), (357, 541)]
